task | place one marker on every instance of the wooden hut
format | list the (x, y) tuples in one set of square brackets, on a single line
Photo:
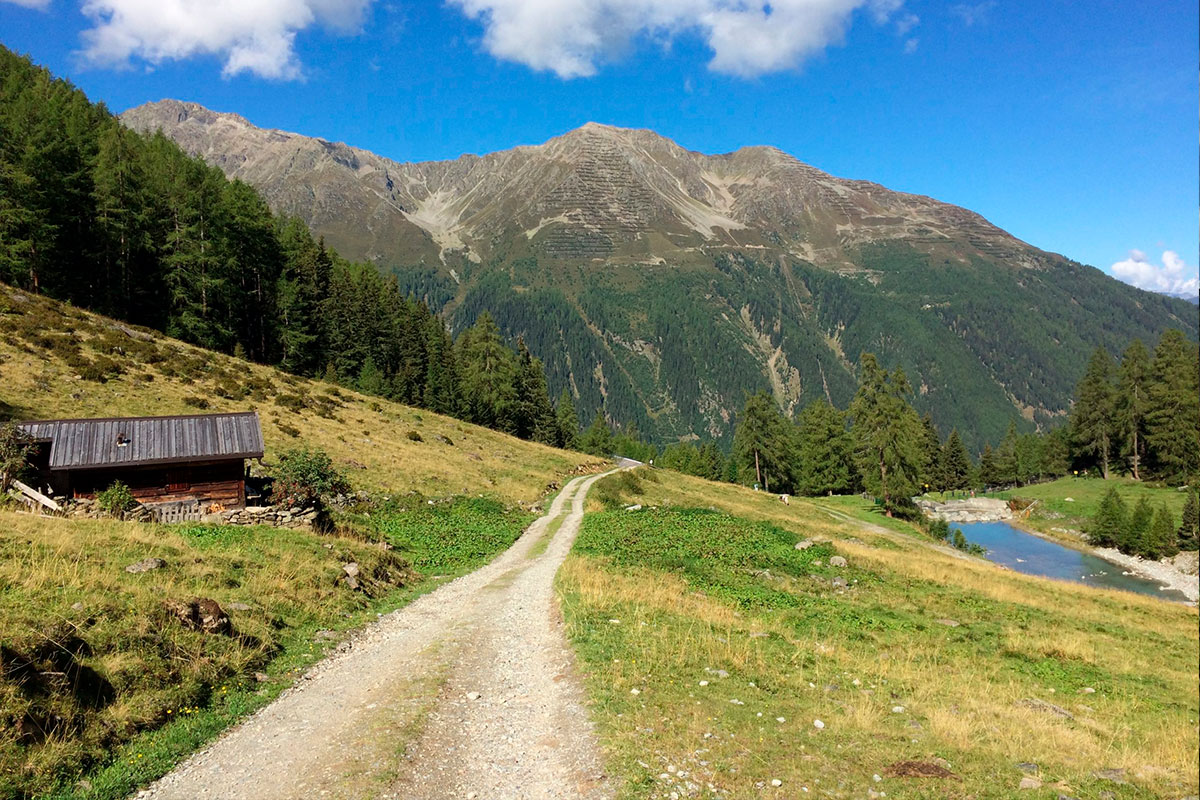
[(198, 459)]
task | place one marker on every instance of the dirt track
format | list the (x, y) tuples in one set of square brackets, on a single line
[(467, 692)]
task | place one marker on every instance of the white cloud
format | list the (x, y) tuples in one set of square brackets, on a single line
[(254, 36), (910, 45), (973, 13), (571, 38), (41, 5), (1172, 276)]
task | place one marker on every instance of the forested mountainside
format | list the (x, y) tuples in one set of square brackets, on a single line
[(130, 226), (662, 284)]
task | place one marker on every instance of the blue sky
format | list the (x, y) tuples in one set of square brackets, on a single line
[(1072, 125)]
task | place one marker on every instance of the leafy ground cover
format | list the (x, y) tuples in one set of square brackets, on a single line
[(102, 689), (712, 647)]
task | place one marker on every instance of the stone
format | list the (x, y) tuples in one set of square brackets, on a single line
[(776, 782), (262, 677), (1049, 708), (839, 583), (1087, 690), (1111, 774), (1028, 767), (837, 561), (238, 607), (1029, 783), (201, 614), (350, 569), (804, 545), (818, 724), (77, 606), (145, 565), (949, 623), (473, 695)]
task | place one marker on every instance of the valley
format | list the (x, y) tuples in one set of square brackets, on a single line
[(658, 284)]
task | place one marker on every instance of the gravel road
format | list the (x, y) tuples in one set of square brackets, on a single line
[(468, 692)]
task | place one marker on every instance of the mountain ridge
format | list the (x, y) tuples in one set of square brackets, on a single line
[(659, 283)]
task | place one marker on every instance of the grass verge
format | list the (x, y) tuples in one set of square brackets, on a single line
[(712, 646), (104, 690)]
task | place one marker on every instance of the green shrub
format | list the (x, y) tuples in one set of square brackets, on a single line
[(414, 436), (195, 402), (288, 429), (116, 499), (295, 403), (303, 475)]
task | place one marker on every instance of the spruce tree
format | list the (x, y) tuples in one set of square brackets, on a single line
[(487, 372), (955, 463), (1093, 416), (598, 438), (1108, 526), (1162, 540), (567, 421), (825, 451), (931, 443), (1173, 407), (888, 434), (1007, 472), (533, 415), (1136, 540), (1189, 529), (1131, 403), (763, 445), (988, 475)]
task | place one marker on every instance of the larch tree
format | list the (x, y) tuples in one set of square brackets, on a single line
[(1173, 406)]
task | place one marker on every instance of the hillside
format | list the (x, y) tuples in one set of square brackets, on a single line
[(724, 661), (58, 361), (661, 283)]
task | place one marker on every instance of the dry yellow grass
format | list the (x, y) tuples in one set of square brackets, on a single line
[(852, 658), (367, 436)]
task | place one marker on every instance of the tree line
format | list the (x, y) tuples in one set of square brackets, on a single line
[(1143, 530), (1143, 413)]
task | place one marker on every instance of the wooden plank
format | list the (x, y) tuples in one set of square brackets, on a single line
[(35, 495)]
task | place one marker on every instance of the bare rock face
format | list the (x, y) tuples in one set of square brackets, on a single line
[(975, 509)]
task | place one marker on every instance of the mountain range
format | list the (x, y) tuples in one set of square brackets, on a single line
[(661, 284)]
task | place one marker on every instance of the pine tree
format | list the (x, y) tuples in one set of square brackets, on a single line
[(825, 451), (1056, 453), (1108, 526), (1131, 400), (955, 463), (440, 392), (762, 444), (1093, 420), (1189, 529), (1173, 406), (1136, 540), (568, 421), (888, 434)]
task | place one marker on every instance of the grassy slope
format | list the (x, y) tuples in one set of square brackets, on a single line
[(1053, 510), (691, 595), (155, 691), (367, 436)]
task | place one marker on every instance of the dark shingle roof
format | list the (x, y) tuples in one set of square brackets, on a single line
[(87, 443)]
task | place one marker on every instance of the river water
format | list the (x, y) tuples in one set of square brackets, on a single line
[(1033, 555)]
